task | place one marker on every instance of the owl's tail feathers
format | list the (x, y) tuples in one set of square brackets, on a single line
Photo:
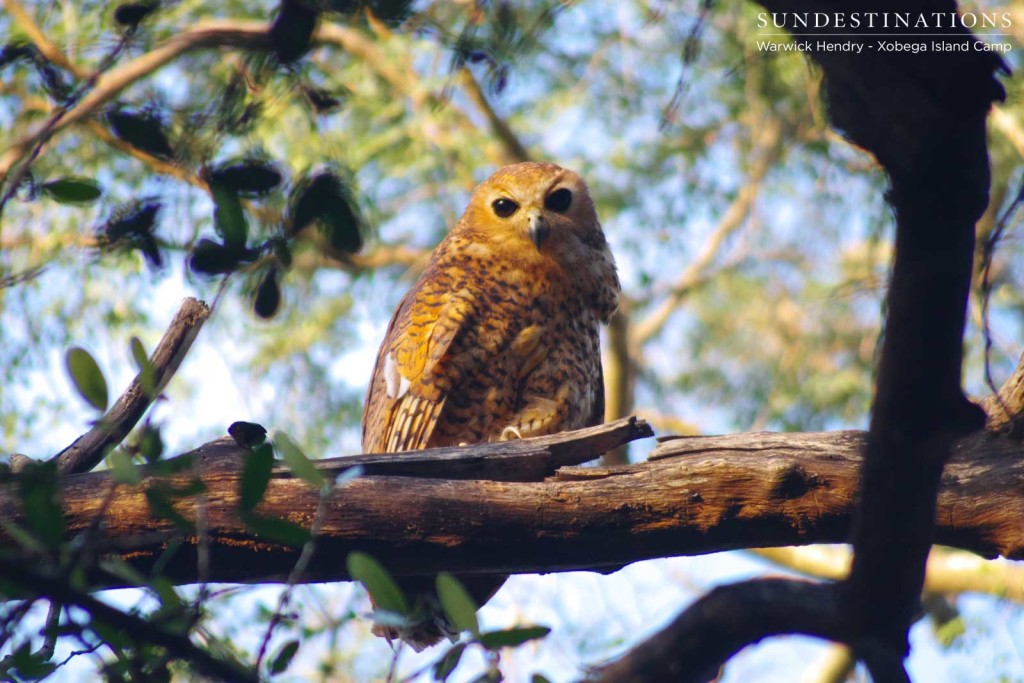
[(431, 624)]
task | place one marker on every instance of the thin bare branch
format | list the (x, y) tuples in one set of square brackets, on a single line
[(90, 448), (204, 34), (514, 149), (767, 148), (50, 51)]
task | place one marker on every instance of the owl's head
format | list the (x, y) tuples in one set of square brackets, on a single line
[(543, 204), (543, 212)]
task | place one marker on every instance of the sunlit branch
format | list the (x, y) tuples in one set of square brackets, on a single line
[(949, 571), (89, 449), (499, 127), (767, 148)]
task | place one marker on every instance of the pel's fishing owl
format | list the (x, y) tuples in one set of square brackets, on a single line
[(499, 337)]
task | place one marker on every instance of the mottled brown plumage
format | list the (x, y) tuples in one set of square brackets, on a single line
[(499, 337)]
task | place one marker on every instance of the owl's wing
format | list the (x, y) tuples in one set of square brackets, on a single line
[(409, 385)]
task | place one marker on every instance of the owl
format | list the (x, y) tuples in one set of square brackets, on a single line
[(499, 337)]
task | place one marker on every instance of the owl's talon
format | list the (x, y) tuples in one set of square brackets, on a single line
[(509, 433)]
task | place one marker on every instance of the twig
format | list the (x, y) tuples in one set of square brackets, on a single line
[(39, 39), (499, 127), (987, 256), (177, 645), (767, 147), (90, 448), (204, 34), (834, 666), (296, 573), (53, 124)]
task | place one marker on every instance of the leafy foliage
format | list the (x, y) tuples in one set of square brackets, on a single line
[(262, 170)]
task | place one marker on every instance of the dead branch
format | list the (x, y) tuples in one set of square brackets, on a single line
[(519, 507), (89, 449)]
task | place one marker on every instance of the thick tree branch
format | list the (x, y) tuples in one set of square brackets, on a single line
[(1007, 405), (89, 449), (697, 495)]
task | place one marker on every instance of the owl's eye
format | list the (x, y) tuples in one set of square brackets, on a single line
[(504, 207), (559, 200)]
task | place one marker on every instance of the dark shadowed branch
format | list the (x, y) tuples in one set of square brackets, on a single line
[(57, 588)]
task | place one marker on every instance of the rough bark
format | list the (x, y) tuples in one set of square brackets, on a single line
[(696, 495)]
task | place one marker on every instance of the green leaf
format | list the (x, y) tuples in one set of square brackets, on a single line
[(72, 190), (512, 637), (122, 469), (457, 603), (292, 30), (443, 667), (948, 633), (301, 466), (29, 664), (248, 177), (228, 217), (168, 593), (539, 678), (124, 571), (147, 372), (130, 15), (283, 657), (211, 258), (256, 471), (142, 130), (326, 199), (23, 538), (150, 443), (40, 500), (88, 377), (277, 530), (382, 588), (268, 295)]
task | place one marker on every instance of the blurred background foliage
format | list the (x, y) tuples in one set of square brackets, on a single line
[(753, 242)]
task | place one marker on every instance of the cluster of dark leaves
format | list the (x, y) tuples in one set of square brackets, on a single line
[(291, 34), (323, 199), (52, 78)]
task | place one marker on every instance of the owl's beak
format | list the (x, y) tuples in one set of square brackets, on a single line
[(539, 229)]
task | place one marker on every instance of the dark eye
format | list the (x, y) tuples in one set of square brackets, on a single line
[(504, 207), (559, 200)]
